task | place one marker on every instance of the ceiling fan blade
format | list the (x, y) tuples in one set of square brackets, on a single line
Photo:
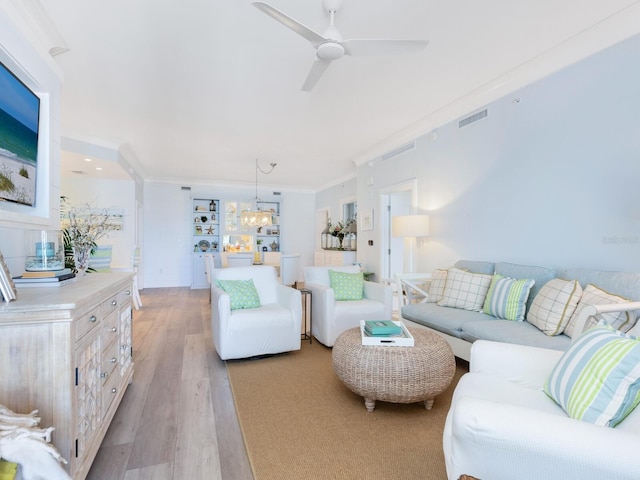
[(289, 22), (318, 68), (382, 47)]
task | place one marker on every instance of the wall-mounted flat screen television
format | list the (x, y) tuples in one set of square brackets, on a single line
[(19, 120)]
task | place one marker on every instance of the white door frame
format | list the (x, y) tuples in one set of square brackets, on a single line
[(385, 219)]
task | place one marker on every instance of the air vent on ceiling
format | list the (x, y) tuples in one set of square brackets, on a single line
[(397, 151), (473, 118), (185, 188), (277, 193), (79, 172)]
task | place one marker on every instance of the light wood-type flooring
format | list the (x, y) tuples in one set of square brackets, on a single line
[(177, 420)]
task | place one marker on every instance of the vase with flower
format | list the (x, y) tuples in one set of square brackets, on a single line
[(82, 227)]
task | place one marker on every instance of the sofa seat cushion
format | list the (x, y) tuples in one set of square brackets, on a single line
[(444, 319), (493, 388), (507, 331), (254, 319), (360, 309)]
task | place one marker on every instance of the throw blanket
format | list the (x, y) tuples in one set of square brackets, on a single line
[(22, 442)]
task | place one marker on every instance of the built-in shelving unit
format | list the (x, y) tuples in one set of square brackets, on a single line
[(205, 236), (268, 237)]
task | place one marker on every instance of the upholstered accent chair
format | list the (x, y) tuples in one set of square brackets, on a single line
[(248, 321), (331, 317)]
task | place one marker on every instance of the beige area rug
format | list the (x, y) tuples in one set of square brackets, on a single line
[(299, 421)]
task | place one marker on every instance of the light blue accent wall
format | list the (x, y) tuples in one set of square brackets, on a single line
[(550, 177)]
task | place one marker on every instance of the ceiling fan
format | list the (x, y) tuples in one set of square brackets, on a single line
[(330, 45)]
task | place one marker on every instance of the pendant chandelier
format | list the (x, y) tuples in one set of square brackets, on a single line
[(257, 217)]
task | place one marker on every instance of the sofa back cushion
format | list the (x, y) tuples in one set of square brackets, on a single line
[(624, 284), (541, 275), (475, 266)]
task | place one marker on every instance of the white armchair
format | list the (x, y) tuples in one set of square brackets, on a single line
[(274, 327), (502, 426), (330, 317)]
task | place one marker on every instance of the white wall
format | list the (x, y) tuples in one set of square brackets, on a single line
[(550, 177), (111, 194), (168, 249), (42, 76)]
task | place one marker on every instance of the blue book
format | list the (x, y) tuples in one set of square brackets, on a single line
[(381, 327)]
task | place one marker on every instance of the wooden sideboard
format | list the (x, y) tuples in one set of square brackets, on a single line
[(328, 258), (67, 352)]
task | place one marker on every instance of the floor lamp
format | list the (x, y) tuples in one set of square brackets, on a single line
[(410, 227)]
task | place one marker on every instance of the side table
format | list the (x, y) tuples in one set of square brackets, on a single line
[(306, 313)]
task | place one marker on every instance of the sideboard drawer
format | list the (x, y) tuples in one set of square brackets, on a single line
[(87, 322), (110, 305)]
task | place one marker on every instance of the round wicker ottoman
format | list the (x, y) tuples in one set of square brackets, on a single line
[(394, 374)]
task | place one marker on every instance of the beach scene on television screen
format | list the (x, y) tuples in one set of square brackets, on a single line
[(19, 112)]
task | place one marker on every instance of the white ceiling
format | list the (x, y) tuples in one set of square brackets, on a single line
[(198, 89)]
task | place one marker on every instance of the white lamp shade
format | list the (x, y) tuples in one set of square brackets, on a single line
[(410, 226)]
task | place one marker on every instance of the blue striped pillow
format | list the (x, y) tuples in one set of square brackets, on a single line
[(597, 380), (507, 297)]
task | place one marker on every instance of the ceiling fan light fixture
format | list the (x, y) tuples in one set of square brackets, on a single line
[(330, 51)]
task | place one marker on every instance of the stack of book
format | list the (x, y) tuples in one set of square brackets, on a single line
[(381, 328), (44, 278)]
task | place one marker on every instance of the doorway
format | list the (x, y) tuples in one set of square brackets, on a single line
[(399, 199)]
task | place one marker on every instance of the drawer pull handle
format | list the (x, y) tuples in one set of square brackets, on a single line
[(93, 318), (104, 374), (114, 329), (113, 390), (114, 360), (114, 303), (128, 292)]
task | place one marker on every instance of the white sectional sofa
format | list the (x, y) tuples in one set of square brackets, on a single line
[(461, 327)]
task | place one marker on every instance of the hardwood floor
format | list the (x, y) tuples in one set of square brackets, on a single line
[(177, 420)]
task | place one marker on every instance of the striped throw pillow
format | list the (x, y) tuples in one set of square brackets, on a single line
[(507, 297), (597, 380)]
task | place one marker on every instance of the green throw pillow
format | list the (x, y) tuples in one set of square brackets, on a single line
[(347, 286), (243, 293)]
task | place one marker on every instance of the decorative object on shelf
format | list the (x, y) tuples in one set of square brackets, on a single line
[(410, 227), (204, 219), (257, 217), (44, 250), (350, 236), (325, 236), (212, 206), (204, 245), (7, 287), (83, 226)]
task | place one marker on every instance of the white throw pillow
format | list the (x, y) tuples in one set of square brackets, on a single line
[(554, 304), (465, 290), (593, 295), (436, 286)]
